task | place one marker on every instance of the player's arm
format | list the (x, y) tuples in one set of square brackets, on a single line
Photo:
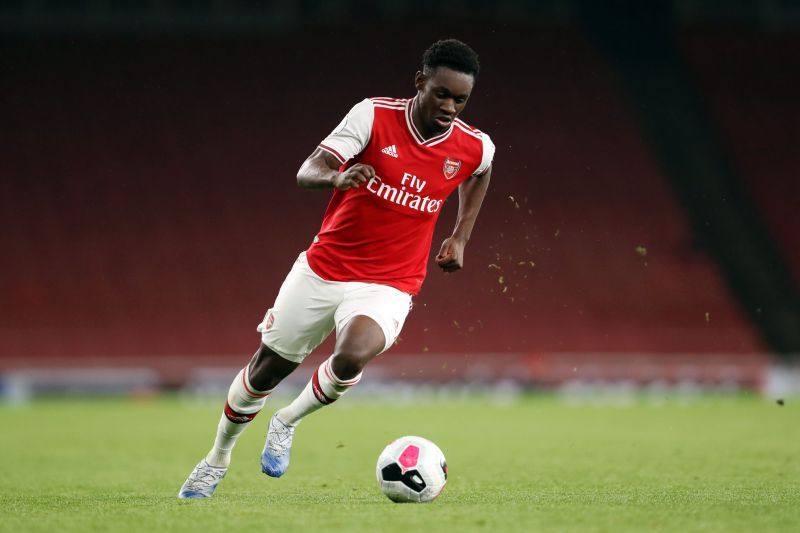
[(321, 171), (470, 197)]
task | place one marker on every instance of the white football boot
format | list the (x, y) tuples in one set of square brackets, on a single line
[(202, 481)]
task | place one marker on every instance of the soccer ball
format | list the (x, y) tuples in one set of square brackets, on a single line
[(411, 469)]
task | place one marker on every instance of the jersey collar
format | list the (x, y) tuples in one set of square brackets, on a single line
[(417, 135)]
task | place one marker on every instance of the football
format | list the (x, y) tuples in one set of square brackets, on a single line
[(411, 470)]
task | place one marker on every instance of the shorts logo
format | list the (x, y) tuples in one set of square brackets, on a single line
[(269, 321), (451, 168)]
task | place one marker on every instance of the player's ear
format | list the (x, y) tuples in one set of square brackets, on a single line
[(419, 80)]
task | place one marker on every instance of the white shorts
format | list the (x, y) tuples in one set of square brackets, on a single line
[(308, 308)]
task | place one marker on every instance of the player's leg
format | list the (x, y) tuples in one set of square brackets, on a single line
[(268, 368), (368, 322), (246, 397), (357, 344), (302, 317), (244, 402)]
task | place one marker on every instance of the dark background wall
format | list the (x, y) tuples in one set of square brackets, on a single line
[(149, 208)]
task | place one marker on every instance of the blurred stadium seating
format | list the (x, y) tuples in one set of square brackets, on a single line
[(150, 211), (749, 87)]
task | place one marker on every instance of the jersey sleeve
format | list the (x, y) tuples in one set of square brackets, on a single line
[(488, 154), (351, 136)]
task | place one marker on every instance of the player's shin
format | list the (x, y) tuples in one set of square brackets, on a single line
[(323, 388), (242, 406)]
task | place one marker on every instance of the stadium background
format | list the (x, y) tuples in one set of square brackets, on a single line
[(641, 225)]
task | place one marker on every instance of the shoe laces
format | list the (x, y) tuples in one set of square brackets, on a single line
[(280, 437), (205, 477)]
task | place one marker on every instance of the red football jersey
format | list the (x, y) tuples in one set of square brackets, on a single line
[(382, 231)]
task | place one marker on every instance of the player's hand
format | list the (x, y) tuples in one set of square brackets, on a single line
[(451, 255), (353, 177)]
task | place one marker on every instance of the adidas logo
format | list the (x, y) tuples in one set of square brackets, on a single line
[(390, 150)]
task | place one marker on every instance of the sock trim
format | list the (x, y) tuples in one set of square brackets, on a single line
[(238, 418), (317, 390)]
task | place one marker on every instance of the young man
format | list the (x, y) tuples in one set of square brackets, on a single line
[(392, 163)]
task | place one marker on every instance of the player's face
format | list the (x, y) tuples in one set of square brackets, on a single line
[(443, 93)]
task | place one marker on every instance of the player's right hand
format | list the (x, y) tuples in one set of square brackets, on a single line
[(353, 177)]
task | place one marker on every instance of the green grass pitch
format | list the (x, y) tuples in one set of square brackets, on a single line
[(710, 464)]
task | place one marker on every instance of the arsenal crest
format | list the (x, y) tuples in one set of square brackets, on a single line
[(451, 168)]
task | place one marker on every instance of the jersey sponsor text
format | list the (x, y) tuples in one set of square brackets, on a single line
[(404, 197)]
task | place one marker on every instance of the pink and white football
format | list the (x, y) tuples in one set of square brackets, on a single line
[(411, 470)]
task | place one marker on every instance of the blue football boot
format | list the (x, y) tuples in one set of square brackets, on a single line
[(278, 448)]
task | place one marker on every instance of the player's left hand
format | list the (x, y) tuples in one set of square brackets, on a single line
[(451, 255)]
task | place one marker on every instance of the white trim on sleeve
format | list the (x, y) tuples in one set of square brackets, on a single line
[(488, 154), (352, 135)]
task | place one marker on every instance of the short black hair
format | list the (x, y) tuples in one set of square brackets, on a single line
[(453, 54)]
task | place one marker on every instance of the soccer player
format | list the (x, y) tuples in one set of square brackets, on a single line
[(391, 164)]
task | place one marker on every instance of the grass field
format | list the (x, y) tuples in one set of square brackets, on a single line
[(710, 464)]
